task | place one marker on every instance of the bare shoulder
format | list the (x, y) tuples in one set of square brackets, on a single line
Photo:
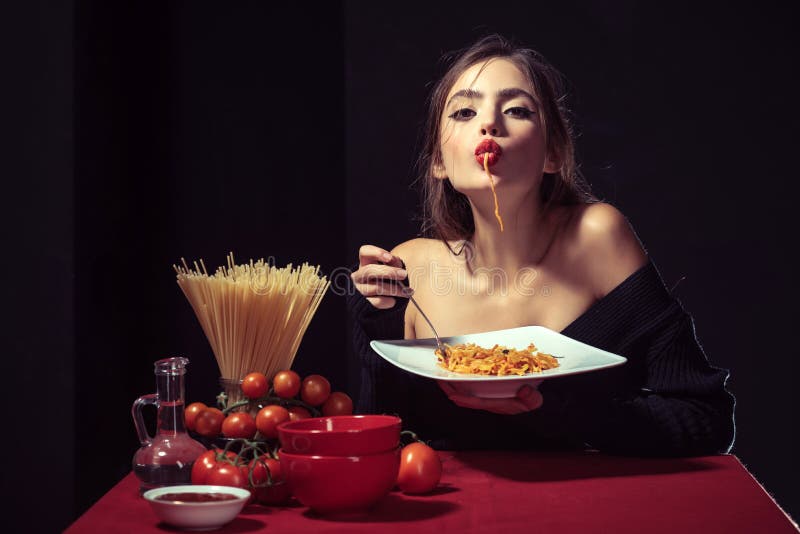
[(603, 246), (415, 251)]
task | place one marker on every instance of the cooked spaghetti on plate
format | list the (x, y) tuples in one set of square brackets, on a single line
[(470, 358)]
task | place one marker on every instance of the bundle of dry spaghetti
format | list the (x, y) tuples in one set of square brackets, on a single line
[(254, 315), (472, 359)]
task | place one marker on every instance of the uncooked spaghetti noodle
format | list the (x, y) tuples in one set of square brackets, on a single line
[(254, 315), (471, 359), (494, 193)]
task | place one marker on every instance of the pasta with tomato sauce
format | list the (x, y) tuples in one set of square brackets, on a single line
[(470, 358)]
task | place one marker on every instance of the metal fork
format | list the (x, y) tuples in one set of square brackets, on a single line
[(407, 290)]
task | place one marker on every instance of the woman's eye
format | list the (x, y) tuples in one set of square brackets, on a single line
[(462, 114), (519, 112)]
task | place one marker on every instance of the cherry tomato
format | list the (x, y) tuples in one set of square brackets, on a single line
[(260, 467), (315, 390), (286, 384), (338, 404), (275, 493), (258, 470), (239, 425), (256, 475), (254, 385), (268, 419), (298, 412), (190, 414), (420, 468), (205, 463), (226, 474), (208, 422)]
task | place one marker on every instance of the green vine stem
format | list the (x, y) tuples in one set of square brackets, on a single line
[(259, 451), (269, 482), (222, 401), (412, 437)]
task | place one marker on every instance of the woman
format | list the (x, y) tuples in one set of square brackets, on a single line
[(545, 252)]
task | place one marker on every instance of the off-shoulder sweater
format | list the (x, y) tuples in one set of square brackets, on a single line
[(666, 400)]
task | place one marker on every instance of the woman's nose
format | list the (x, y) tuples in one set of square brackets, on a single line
[(489, 125)]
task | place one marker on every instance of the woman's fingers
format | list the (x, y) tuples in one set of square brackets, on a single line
[(377, 272), (378, 275), (527, 399), (369, 254), (382, 289), (530, 397), (381, 294)]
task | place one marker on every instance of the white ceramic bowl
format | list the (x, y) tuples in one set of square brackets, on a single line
[(197, 515)]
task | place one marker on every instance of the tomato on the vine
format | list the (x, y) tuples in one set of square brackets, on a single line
[(275, 493), (190, 414), (205, 463), (338, 404), (260, 467), (254, 385), (208, 422), (239, 425), (420, 468), (298, 412), (286, 384), (268, 418), (226, 474), (315, 390)]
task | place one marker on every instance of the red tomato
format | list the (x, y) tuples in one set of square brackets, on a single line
[(420, 468), (260, 467), (208, 422), (256, 475), (277, 492), (239, 425), (298, 412), (226, 474), (286, 384), (315, 390), (338, 404), (204, 464), (254, 385), (268, 419), (190, 414)]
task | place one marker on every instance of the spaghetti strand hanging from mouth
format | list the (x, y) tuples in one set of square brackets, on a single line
[(494, 192)]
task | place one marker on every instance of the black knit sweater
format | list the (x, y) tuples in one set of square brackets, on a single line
[(666, 400)]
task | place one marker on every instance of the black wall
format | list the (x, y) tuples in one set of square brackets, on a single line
[(136, 133), (37, 224)]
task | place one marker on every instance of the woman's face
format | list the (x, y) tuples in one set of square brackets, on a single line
[(493, 100)]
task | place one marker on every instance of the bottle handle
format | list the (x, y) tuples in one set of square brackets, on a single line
[(138, 420)]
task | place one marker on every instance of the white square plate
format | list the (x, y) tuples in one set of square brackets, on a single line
[(417, 356)]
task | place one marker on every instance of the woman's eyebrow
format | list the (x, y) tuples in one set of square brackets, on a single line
[(507, 93), (514, 92)]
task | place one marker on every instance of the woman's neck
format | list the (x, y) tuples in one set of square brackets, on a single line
[(523, 242)]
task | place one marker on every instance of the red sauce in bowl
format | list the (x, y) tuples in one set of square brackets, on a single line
[(196, 497)]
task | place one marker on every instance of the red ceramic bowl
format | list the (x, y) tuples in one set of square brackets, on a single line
[(340, 435), (340, 484)]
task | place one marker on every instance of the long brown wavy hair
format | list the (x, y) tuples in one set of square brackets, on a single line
[(446, 212)]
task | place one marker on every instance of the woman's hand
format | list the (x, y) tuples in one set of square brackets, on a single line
[(377, 276), (527, 399)]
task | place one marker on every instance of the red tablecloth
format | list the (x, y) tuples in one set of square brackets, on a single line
[(518, 492)]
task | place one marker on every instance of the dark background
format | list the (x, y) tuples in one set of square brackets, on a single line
[(135, 133)]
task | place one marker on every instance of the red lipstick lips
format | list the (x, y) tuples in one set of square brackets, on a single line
[(488, 146)]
